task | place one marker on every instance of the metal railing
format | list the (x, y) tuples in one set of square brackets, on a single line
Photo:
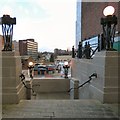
[(84, 52), (22, 76), (93, 52), (87, 48), (88, 81)]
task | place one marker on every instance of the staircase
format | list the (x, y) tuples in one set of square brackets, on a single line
[(52, 101), (51, 109)]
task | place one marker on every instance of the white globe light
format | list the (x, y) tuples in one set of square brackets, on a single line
[(109, 10), (30, 63), (65, 63)]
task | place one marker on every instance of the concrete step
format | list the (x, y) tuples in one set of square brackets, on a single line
[(59, 109), (53, 96)]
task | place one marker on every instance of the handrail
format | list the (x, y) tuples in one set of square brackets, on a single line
[(90, 78), (22, 76), (94, 51)]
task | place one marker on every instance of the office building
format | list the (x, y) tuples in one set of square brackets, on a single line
[(28, 47), (15, 45), (78, 24)]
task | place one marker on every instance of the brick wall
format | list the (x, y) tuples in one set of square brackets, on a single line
[(91, 15)]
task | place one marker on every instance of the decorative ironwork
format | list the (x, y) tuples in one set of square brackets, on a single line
[(66, 68), (7, 29), (73, 52), (109, 27), (87, 50), (79, 55), (30, 67)]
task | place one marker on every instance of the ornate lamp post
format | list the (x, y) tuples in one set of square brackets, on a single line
[(30, 66), (7, 28), (109, 24), (79, 50), (73, 52), (66, 67)]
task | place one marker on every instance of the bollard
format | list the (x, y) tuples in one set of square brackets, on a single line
[(74, 93), (28, 90)]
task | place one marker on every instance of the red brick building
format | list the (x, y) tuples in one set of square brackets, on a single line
[(91, 13)]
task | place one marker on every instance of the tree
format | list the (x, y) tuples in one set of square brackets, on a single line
[(52, 58)]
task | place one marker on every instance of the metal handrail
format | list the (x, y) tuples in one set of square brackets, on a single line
[(22, 76), (94, 51), (90, 78)]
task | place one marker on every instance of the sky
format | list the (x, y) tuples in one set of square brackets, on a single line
[(50, 22)]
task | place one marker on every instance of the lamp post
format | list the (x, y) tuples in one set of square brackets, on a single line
[(30, 66), (7, 29), (79, 50), (66, 67), (73, 52), (109, 24)]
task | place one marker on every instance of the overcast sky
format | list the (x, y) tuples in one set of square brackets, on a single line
[(50, 22)]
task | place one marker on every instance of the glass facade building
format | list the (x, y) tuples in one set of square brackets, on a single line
[(78, 23)]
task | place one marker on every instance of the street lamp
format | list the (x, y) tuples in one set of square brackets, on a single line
[(30, 66), (7, 29), (109, 24), (66, 67)]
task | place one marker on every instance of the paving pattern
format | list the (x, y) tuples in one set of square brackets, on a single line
[(51, 109)]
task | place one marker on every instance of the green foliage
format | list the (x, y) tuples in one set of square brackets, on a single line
[(52, 58)]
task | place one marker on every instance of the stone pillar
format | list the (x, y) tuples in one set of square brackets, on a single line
[(74, 93), (28, 89), (12, 88), (111, 83)]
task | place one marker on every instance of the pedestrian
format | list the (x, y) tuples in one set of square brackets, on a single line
[(59, 68)]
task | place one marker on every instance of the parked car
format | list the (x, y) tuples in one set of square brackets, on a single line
[(51, 68), (35, 67), (41, 69)]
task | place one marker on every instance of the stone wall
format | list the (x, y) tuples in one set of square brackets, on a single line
[(105, 86), (12, 88), (50, 85)]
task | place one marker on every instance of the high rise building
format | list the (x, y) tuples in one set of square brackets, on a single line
[(78, 24), (15, 45), (28, 47)]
